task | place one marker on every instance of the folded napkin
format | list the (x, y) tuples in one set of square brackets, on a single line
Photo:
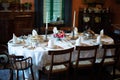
[(98, 41), (102, 32), (34, 32), (51, 43), (55, 30), (15, 40), (78, 42)]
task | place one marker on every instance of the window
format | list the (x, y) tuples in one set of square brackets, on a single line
[(54, 9)]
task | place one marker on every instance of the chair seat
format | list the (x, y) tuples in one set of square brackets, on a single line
[(109, 60), (106, 61), (18, 65), (57, 68), (83, 63)]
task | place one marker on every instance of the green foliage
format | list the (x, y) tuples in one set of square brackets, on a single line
[(27, 4)]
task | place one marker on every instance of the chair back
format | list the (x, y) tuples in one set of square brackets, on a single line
[(114, 57), (3, 48), (21, 63), (90, 58), (55, 53), (4, 59), (5, 67)]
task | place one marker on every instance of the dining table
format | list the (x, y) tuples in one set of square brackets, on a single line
[(37, 47)]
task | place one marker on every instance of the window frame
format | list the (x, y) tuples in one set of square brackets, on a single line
[(50, 10), (39, 14)]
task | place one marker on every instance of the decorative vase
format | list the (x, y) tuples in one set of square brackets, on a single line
[(27, 6), (5, 6)]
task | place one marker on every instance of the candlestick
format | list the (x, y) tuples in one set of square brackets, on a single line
[(46, 29), (47, 20), (45, 36), (21, 1), (73, 34), (21, 6)]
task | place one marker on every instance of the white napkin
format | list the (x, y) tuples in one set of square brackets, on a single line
[(98, 41), (51, 43), (55, 30), (102, 32), (15, 40), (78, 41), (34, 32), (75, 30)]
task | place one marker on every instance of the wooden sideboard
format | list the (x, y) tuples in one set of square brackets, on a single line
[(15, 22)]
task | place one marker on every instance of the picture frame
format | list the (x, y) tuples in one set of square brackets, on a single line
[(10, 1), (93, 1)]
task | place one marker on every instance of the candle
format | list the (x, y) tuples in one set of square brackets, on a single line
[(74, 18), (21, 1), (47, 20)]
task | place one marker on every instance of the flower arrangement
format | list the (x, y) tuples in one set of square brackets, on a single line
[(27, 5), (60, 34)]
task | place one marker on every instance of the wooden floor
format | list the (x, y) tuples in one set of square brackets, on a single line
[(84, 75), (81, 75)]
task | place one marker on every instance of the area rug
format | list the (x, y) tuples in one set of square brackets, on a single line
[(4, 74)]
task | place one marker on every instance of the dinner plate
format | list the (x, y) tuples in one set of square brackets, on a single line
[(55, 47)]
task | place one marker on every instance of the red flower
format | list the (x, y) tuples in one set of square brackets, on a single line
[(60, 34)]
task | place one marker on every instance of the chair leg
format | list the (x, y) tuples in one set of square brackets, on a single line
[(48, 76), (17, 74), (11, 75), (40, 74), (114, 67), (75, 74), (23, 74), (32, 73)]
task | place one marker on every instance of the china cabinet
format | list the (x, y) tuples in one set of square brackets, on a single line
[(95, 20)]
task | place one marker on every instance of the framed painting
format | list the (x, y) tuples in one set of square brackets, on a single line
[(9, 1), (93, 1)]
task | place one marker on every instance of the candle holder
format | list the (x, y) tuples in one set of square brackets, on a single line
[(73, 34), (46, 39), (21, 7)]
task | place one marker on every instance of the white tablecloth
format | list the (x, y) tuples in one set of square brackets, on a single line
[(40, 55)]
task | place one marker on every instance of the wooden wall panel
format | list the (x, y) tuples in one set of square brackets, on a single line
[(77, 4), (114, 7)]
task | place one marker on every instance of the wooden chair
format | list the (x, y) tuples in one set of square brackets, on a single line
[(3, 48), (82, 63), (5, 66), (19, 63), (58, 67), (110, 60)]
